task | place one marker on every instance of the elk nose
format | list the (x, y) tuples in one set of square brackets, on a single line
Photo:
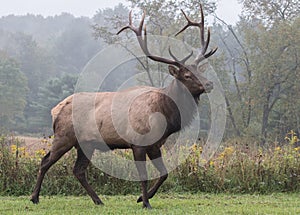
[(209, 85)]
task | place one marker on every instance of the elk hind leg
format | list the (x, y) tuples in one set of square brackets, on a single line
[(79, 171), (57, 151)]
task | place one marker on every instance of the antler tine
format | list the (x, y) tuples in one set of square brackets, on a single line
[(122, 29), (143, 41), (172, 55), (203, 57), (144, 44), (190, 23), (137, 31), (183, 60), (204, 44), (130, 17), (142, 22), (187, 57), (127, 26)]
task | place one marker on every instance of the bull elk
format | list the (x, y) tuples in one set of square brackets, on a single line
[(187, 78)]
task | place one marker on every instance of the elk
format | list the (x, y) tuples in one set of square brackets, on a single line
[(188, 78)]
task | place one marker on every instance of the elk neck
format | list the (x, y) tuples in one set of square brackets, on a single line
[(180, 106)]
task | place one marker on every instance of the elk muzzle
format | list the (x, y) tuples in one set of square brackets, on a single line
[(208, 86)]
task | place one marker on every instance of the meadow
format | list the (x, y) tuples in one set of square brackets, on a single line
[(240, 179), (163, 203), (236, 168)]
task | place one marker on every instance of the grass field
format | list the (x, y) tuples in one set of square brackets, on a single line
[(162, 204)]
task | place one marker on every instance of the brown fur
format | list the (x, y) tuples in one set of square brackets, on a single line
[(149, 100)]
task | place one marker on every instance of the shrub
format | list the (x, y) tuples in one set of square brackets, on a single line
[(244, 168), (236, 168)]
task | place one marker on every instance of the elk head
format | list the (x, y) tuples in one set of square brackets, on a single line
[(191, 75)]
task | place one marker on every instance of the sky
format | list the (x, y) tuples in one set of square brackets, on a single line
[(228, 10)]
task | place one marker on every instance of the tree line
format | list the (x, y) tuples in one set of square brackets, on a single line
[(257, 61)]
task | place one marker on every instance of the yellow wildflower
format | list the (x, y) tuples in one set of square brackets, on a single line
[(221, 156), (278, 149), (292, 132), (40, 153), (194, 147), (295, 139), (228, 150), (200, 149), (297, 149), (13, 148), (22, 152)]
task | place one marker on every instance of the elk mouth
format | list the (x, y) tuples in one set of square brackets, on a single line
[(208, 87), (208, 90)]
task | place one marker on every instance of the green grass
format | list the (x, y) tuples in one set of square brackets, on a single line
[(162, 204)]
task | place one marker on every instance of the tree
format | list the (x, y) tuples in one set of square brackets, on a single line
[(75, 46), (35, 63), (271, 11), (273, 49), (13, 92), (46, 48), (233, 68), (260, 54), (50, 94)]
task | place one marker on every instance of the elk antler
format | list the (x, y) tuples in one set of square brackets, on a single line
[(143, 43), (204, 44)]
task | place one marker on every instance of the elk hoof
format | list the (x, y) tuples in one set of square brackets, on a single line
[(34, 200), (98, 202), (140, 199), (147, 205)]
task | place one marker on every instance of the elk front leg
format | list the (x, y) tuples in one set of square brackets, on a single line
[(139, 154), (155, 156)]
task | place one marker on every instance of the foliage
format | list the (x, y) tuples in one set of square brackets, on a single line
[(45, 48), (13, 91), (245, 169), (261, 56), (274, 64), (50, 94), (236, 168), (271, 11)]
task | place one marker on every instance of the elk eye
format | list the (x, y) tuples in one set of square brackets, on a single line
[(187, 77)]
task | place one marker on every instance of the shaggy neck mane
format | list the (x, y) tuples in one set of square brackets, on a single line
[(174, 94)]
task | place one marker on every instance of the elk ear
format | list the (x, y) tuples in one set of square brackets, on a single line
[(173, 71), (203, 67)]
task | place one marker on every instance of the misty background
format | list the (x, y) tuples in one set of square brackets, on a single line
[(228, 10), (43, 50)]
